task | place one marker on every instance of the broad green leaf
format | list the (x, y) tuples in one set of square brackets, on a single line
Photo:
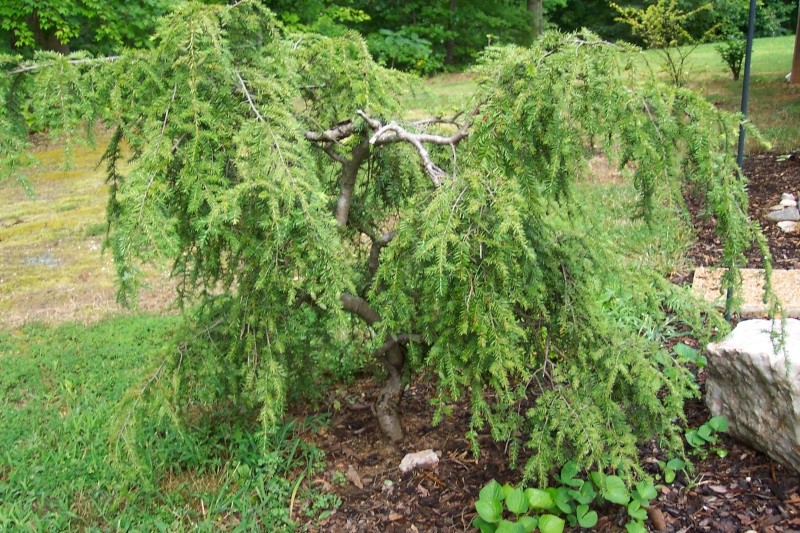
[(635, 527), (676, 464), (551, 524), (491, 491), (507, 526), (517, 502), (585, 495), (615, 490), (529, 523), (563, 500), (669, 475), (507, 489), (568, 473), (539, 499), (490, 510), (636, 511), (718, 423), (704, 432), (586, 518), (694, 439), (483, 526), (646, 490), (721, 452)]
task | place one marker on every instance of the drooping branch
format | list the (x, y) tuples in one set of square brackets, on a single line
[(249, 97), (37, 66)]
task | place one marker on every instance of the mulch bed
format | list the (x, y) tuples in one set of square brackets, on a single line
[(769, 176), (745, 491)]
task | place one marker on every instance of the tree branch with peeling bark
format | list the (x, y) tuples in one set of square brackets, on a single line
[(391, 133)]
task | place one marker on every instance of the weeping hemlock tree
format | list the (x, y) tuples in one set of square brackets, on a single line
[(306, 221)]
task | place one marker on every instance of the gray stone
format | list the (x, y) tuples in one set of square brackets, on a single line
[(788, 226), (788, 196), (787, 213), (757, 388), (788, 203)]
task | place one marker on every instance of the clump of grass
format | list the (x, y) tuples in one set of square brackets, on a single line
[(95, 230)]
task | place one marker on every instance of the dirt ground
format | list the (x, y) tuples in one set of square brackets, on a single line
[(745, 491)]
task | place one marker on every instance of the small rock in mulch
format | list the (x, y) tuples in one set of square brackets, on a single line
[(788, 226), (423, 459), (791, 214)]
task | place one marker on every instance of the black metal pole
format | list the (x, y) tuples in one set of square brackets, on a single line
[(751, 29)]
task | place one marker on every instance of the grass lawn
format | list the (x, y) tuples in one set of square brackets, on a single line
[(67, 392), (774, 105)]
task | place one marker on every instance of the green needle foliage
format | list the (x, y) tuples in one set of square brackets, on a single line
[(243, 144)]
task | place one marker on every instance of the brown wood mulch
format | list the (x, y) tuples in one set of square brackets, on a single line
[(745, 491), (769, 176)]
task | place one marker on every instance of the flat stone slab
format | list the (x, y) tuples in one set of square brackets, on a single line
[(785, 283)]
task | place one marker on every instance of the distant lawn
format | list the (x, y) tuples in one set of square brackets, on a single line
[(774, 104)]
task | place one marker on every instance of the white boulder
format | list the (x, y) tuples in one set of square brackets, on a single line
[(755, 383)]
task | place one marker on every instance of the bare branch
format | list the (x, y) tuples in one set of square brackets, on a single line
[(360, 307), (439, 120), (392, 133), (335, 134), (328, 149), (347, 181), (403, 338), (249, 97), (378, 243)]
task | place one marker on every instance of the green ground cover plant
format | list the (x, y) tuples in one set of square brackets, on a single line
[(574, 498)]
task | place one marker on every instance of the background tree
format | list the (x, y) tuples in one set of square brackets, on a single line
[(662, 26), (61, 25), (308, 225), (774, 18)]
